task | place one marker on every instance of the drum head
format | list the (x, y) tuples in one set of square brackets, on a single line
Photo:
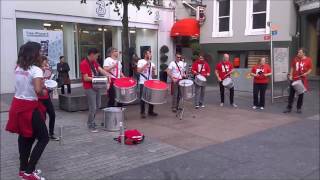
[(186, 82), (201, 78), (155, 84), (50, 84), (125, 82)]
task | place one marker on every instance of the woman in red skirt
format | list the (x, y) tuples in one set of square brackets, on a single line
[(27, 114)]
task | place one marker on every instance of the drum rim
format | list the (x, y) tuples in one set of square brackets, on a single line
[(50, 80)]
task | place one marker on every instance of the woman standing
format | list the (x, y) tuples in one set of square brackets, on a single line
[(27, 114), (46, 100), (63, 76), (260, 72)]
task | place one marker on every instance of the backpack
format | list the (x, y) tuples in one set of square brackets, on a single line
[(131, 137)]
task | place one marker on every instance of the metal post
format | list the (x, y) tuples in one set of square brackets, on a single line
[(61, 135), (271, 61)]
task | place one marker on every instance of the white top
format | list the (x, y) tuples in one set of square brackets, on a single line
[(175, 70), (24, 88), (145, 72), (116, 72)]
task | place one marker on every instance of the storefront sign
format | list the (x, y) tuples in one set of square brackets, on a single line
[(281, 64), (101, 9), (51, 43)]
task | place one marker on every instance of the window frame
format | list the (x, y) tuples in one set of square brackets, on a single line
[(249, 19), (215, 32)]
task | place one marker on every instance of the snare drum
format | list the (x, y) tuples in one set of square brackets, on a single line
[(186, 88), (99, 82), (228, 83), (200, 80), (50, 84), (298, 86), (125, 89), (155, 92)]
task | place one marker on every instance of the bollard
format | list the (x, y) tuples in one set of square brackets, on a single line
[(121, 133), (61, 135)]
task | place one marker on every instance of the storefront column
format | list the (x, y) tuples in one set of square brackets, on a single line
[(69, 48), (117, 39)]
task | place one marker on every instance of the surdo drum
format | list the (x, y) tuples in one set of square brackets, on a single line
[(186, 88), (125, 89), (228, 83), (200, 80), (100, 82), (155, 92), (298, 86), (50, 84)]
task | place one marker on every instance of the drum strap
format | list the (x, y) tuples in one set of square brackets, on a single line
[(149, 71), (225, 69), (178, 68), (93, 69), (201, 68)]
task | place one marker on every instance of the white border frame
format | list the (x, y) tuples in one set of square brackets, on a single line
[(249, 19), (215, 30)]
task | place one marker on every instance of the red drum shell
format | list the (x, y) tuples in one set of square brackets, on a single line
[(155, 84), (125, 82)]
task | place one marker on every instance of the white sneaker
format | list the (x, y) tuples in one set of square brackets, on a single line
[(234, 105), (254, 107), (197, 106), (94, 130), (221, 104), (262, 108), (202, 106)]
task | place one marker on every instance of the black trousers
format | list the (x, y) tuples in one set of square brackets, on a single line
[(68, 87), (222, 93), (142, 103), (112, 95), (28, 158), (259, 89), (291, 99), (51, 112)]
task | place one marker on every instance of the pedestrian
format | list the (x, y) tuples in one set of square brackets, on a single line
[(90, 68), (260, 72), (113, 66), (63, 76), (175, 71), (46, 101), (27, 114), (200, 67), (301, 67), (223, 70), (146, 68)]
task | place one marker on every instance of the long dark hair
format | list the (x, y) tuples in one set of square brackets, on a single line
[(29, 54)]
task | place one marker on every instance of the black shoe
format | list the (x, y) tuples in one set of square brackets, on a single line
[(143, 116), (299, 111), (287, 111), (174, 110), (153, 114), (53, 138)]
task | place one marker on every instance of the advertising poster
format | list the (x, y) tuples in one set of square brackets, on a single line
[(281, 64), (51, 43)]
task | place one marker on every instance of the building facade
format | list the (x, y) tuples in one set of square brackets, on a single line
[(70, 28)]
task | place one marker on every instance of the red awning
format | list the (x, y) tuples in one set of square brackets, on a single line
[(186, 27)]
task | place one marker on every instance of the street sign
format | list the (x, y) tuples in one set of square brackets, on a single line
[(274, 33), (267, 37)]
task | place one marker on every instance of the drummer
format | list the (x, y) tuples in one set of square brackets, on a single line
[(200, 67), (176, 72), (113, 66), (89, 68), (301, 67), (223, 70), (146, 68)]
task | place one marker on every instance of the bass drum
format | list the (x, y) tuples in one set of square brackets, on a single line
[(125, 89), (298, 86), (200, 80), (155, 92), (186, 88), (228, 83)]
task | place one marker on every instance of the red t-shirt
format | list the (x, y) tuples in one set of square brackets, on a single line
[(300, 66), (224, 68), (261, 79), (197, 67), (85, 69)]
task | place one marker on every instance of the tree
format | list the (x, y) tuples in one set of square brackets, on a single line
[(125, 22)]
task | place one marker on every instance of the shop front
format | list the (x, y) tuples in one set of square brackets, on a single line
[(70, 28)]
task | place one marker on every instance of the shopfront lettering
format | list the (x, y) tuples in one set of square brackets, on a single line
[(101, 8), (37, 34)]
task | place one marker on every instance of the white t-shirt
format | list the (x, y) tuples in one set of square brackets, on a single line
[(175, 70), (145, 72), (24, 88), (116, 72)]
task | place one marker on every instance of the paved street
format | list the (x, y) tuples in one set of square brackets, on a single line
[(211, 143)]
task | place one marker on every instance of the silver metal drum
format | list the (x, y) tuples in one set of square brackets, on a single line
[(228, 83), (155, 92), (298, 86), (186, 88), (125, 89), (200, 80), (50, 84), (112, 118), (99, 82)]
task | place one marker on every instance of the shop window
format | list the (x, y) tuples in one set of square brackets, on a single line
[(222, 20), (257, 17)]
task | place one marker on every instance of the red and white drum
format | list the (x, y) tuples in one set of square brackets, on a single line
[(125, 89), (155, 92)]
